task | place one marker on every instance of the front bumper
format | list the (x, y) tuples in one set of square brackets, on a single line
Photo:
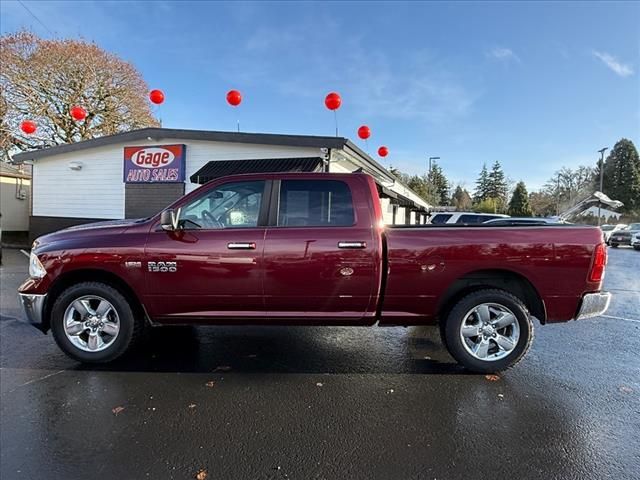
[(593, 305), (33, 306)]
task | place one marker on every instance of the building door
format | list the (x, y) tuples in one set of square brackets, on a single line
[(320, 262), (212, 267)]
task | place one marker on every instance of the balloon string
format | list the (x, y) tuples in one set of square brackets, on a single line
[(335, 116), (238, 125)]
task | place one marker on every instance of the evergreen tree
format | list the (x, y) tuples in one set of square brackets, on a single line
[(622, 175), (420, 186), (482, 185), (461, 199), (497, 184), (519, 204), (439, 185)]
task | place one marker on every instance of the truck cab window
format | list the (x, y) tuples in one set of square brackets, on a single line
[(313, 203), (231, 205)]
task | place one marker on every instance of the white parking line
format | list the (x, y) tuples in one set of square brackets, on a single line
[(621, 318)]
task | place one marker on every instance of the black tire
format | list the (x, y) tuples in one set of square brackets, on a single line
[(614, 245), (453, 325), (131, 328), (635, 247)]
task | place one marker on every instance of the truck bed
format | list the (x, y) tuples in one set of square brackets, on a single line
[(425, 261)]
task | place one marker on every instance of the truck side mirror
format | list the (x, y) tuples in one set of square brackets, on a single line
[(169, 219)]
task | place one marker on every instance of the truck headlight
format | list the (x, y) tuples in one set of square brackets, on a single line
[(36, 270)]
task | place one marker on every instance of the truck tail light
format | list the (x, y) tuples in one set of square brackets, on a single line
[(599, 262)]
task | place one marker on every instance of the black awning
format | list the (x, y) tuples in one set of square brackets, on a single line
[(220, 168)]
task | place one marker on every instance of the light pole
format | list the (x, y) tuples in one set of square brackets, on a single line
[(430, 159), (429, 173), (601, 152)]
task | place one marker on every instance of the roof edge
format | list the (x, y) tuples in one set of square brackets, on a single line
[(157, 133)]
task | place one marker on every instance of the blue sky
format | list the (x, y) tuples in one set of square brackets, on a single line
[(536, 86)]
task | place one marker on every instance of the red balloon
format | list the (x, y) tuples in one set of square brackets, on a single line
[(156, 96), (234, 98), (364, 132), (333, 101), (78, 113), (28, 127), (383, 151)]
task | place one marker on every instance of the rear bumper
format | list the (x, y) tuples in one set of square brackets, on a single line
[(33, 306), (593, 305), (620, 241)]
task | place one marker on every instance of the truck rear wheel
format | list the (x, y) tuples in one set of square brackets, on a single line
[(93, 322), (489, 331)]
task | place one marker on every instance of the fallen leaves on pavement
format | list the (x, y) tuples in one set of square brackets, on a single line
[(625, 389), (492, 378), (210, 384), (117, 410), (201, 475)]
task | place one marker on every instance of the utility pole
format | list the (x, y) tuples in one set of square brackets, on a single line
[(429, 173), (601, 152), (558, 196)]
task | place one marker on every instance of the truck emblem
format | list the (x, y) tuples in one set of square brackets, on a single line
[(133, 264), (346, 271), (162, 267)]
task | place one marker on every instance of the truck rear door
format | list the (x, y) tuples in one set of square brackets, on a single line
[(322, 255)]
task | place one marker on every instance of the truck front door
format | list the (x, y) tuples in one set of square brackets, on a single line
[(322, 255), (212, 266)]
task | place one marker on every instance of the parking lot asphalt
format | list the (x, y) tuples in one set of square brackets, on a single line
[(324, 403)]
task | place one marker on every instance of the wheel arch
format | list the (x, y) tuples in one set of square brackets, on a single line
[(74, 277), (502, 279)]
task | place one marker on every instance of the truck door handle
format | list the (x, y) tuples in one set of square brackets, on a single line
[(241, 246), (352, 244)]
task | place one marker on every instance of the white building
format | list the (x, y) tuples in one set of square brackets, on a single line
[(99, 178), (15, 197)]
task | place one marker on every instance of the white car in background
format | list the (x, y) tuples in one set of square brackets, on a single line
[(607, 230), (524, 221), (463, 218)]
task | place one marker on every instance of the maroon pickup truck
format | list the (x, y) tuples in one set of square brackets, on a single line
[(309, 249)]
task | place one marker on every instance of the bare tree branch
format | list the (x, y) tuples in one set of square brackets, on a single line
[(41, 80)]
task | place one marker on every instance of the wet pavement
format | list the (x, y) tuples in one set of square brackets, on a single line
[(324, 403)]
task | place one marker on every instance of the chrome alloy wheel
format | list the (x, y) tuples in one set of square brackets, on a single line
[(91, 323), (489, 332)]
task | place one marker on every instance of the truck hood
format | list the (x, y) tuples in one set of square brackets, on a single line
[(109, 227)]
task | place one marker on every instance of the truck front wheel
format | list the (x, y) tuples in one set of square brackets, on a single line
[(489, 331), (93, 322)]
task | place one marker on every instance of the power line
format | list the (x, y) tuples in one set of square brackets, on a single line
[(34, 16)]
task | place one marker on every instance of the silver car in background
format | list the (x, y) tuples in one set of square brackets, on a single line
[(608, 230)]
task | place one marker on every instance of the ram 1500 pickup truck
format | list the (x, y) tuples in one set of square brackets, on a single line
[(309, 249)]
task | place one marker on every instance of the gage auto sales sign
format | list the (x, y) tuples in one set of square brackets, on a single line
[(154, 164)]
